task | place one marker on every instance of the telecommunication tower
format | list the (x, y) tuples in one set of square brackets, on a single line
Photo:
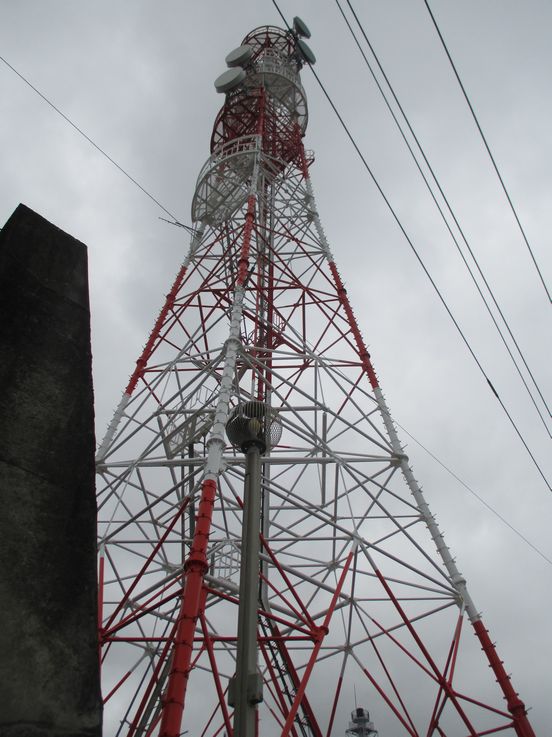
[(262, 538)]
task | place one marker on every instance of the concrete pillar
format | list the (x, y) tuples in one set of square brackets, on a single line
[(49, 677)]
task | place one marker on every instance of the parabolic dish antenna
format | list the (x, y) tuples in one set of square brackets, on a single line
[(230, 79), (305, 51), (301, 28), (239, 56)]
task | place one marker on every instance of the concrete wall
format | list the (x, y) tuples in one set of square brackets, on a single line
[(49, 680)]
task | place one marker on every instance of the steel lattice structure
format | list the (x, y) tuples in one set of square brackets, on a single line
[(355, 580)]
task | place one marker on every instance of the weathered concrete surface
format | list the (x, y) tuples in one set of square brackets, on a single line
[(49, 680)]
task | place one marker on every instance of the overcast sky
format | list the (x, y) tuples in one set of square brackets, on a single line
[(138, 76)]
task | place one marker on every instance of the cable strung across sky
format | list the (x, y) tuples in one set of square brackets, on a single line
[(444, 218), (425, 269), (90, 141), (484, 139)]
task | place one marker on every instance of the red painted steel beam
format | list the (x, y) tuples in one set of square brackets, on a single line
[(441, 698), (214, 670), (305, 704), (152, 683), (142, 609), (446, 687), (322, 632), (272, 683), (390, 678), (148, 348), (156, 333), (308, 620), (243, 263), (334, 705), (516, 707), (194, 571), (361, 346), (146, 564)]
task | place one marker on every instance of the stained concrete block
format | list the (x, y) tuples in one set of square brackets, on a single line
[(49, 675)]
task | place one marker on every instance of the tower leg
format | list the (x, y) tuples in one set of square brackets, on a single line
[(196, 566), (516, 707)]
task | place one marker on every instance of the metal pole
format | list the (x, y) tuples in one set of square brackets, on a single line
[(247, 681)]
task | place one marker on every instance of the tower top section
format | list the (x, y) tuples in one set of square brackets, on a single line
[(263, 89), (259, 128)]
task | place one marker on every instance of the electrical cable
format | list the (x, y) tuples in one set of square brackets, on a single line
[(476, 495), (484, 139), (421, 262), (434, 285), (442, 214), (432, 455), (83, 134)]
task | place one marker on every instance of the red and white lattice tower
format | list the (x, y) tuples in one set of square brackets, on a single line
[(355, 583)]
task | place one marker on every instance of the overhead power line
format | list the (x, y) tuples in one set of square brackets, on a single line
[(477, 496), (484, 139), (433, 283), (421, 262), (86, 137), (432, 455), (442, 214)]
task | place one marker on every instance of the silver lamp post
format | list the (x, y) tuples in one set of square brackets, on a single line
[(253, 427)]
